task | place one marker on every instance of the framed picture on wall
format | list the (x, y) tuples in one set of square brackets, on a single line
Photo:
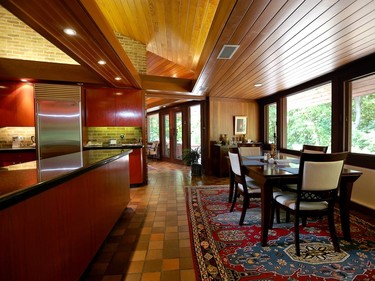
[(240, 125)]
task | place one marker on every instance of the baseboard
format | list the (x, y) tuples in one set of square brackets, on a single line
[(362, 209)]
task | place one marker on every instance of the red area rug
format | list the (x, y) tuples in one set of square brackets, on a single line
[(223, 250)]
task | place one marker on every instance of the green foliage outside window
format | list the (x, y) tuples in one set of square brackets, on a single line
[(310, 125), (363, 124), (153, 127)]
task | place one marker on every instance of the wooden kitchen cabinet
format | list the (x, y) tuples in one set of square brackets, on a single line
[(100, 108), (129, 109), (16, 156), (136, 167), (17, 105), (113, 107)]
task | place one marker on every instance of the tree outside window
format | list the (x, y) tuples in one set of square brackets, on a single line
[(309, 117), (363, 115)]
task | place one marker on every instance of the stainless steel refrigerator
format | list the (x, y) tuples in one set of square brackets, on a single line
[(58, 115)]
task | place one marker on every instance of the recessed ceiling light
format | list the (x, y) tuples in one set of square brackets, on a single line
[(102, 62), (24, 80), (258, 84), (70, 31), (117, 78)]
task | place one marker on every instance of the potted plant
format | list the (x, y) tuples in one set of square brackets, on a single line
[(191, 158)]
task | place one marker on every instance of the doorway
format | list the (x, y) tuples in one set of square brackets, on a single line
[(180, 128)]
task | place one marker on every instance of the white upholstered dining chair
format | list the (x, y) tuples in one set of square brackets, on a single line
[(318, 181), (244, 186)]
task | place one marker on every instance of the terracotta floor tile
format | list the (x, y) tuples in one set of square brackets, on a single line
[(138, 255), (133, 277), (183, 235), (152, 266), (184, 243), (171, 229), (135, 267), (172, 275), (171, 236), (186, 263), (151, 276), (185, 252), (153, 245), (157, 237), (187, 275), (171, 264), (154, 254)]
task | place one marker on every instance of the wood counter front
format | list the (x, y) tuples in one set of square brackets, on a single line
[(55, 227)]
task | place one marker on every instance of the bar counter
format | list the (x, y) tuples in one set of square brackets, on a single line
[(21, 181), (56, 212)]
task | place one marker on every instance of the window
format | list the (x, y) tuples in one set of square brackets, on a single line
[(271, 117), (153, 127), (195, 126), (362, 136), (309, 117)]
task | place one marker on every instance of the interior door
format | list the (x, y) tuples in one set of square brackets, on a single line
[(172, 136), (180, 128), (177, 135)]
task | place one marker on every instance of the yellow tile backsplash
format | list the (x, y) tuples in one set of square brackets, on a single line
[(104, 134), (6, 134)]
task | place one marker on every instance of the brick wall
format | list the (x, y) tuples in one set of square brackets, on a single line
[(104, 134), (19, 41), (135, 50), (6, 134)]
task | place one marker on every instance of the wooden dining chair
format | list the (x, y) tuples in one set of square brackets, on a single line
[(318, 181), (307, 148), (250, 150), (243, 186)]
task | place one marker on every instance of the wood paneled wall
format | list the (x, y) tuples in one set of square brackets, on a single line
[(222, 112)]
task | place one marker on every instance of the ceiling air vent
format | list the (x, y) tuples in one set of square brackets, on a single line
[(227, 52)]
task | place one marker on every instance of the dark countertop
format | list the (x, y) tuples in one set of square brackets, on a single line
[(21, 181), (18, 149), (119, 146)]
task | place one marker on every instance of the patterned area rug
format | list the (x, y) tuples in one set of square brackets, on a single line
[(225, 251)]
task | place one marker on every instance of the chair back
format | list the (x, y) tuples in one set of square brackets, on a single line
[(318, 175), (314, 148), (235, 163), (155, 144), (250, 150)]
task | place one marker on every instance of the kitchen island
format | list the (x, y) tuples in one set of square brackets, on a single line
[(55, 213), (137, 172)]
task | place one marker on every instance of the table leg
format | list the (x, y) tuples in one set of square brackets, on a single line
[(231, 186), (344, 201), (266, 203)]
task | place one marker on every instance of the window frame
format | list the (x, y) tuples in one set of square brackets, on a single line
[(340, 102)]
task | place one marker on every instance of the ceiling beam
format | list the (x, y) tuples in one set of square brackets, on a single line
[(159, 84), (13, 70), (94, 40)]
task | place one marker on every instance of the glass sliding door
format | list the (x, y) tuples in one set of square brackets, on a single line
[(180, 128), (195, 126), (166, 136), (178, 140)]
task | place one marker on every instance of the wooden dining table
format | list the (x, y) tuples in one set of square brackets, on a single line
[(273, 175)]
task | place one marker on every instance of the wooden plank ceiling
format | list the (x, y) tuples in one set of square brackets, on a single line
[(282, 43)]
